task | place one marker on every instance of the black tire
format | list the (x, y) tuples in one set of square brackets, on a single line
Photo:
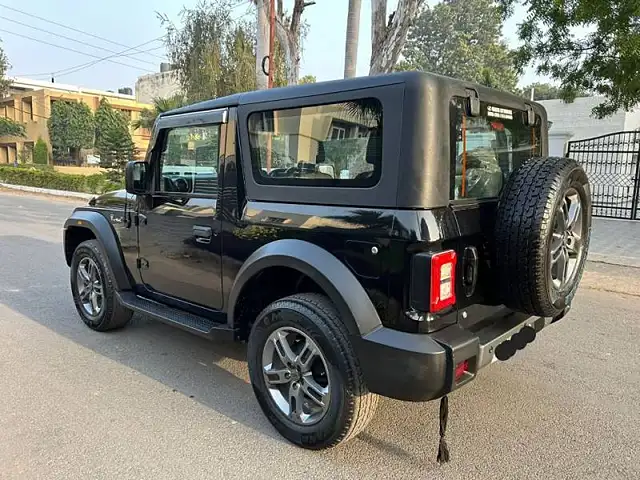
[(351, 405), (112, 314), (523, 234)]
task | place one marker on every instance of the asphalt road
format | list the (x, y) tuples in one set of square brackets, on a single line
[(153, 402)]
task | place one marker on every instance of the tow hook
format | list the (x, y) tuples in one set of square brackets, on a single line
[(518, 341)]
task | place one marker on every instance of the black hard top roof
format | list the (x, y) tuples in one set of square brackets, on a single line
[(414, 78)]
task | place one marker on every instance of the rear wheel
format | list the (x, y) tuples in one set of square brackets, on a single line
[(305, 374), (543, 228)]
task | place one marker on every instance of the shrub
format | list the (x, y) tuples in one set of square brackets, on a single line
[(45, 178), (40, 152)]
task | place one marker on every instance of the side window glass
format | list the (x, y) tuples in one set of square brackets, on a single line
[(189, 160), (337, 145)]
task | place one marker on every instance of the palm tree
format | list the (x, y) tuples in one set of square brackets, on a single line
[(351, 44), (160, 105)]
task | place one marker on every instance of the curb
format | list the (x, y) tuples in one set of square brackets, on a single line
[(614, 260), (47, 191)]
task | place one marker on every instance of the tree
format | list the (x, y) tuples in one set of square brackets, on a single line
[(160, 105), (307, 79), (351, 42), (113, 141), (547, 91), (462, 39), (591, 45), (40, 152), (8, 127), (388, 35), (71, 127), (290, 31), (207, 46)]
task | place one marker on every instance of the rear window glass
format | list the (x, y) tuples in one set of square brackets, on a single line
[(488, 147), (338, 144)]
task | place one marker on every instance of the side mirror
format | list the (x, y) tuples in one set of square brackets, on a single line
[(135, 178)]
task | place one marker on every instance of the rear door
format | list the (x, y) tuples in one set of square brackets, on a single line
[(486, 148)]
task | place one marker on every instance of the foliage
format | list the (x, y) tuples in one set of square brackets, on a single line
[(113, 141), (160, 105), (591, 45), (4, 81), (547, 91), (462, 39), (11, 128), (307, 79), (213, 55), (71, 126), (7, 126), (36, 177), (40, 152)]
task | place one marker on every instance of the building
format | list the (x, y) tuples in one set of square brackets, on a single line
[(29, 103), (574, 121), (157, 85)]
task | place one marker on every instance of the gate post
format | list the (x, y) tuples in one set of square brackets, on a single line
[(636, 181)]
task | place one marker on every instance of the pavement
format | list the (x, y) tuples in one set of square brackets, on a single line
[(150, 401), (615, 241)]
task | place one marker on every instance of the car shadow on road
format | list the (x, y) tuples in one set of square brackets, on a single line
[(212, 372)]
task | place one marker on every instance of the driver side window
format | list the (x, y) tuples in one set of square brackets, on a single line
[(189, 160)]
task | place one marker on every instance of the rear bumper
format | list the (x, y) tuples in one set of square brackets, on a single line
[(421, 367)]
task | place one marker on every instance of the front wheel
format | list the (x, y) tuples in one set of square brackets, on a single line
[(93, 289), (305, 374)]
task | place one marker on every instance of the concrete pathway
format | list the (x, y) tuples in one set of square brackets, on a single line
[(615, 241)]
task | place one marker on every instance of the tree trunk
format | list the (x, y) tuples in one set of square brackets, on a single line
[(262, 42), (388, 36), (351, 43)]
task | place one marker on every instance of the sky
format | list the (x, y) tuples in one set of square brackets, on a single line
[(127, 23)]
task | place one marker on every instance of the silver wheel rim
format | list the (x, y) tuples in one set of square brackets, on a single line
[(566, 242), (89, 287), (296, 375)]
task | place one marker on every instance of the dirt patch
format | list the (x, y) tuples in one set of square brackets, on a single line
[(79, 170)]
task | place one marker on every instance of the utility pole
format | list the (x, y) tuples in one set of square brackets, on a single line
[(262, 45), (272, 31), (351, 43)]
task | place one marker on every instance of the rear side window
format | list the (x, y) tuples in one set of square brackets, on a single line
[(488, 147), (338, 144)]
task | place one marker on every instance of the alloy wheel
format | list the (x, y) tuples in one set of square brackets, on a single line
[(566, 242), (296, 375), (90, 287)]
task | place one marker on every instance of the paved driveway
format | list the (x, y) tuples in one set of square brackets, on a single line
[(154, 402)]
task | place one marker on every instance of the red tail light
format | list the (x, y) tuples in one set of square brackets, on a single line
[(461, 369), (443, 276)]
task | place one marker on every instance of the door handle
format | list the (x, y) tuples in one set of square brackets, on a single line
[(202, 234)]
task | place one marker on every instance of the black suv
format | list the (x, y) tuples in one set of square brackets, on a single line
[(387, 235)]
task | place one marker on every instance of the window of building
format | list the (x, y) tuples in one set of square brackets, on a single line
[(488, 147), (189, 160), (338, 144)]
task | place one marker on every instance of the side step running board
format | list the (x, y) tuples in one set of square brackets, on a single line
[(201, 326)]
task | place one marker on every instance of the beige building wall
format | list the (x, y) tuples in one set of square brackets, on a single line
[(32, 108)]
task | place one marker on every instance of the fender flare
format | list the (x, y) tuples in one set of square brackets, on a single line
[(106, 236), (340, 284)]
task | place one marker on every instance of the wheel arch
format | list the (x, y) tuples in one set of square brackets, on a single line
[(85, 225), (322, 268)]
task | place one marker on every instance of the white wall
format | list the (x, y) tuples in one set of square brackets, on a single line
[(576, 118), (156, 85)]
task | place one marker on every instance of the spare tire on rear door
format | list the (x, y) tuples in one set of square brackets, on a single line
[(542, 232)]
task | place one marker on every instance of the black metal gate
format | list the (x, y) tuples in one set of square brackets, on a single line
[(611, 162)]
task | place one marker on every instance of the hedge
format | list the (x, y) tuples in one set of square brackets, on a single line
[(37, 177)]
